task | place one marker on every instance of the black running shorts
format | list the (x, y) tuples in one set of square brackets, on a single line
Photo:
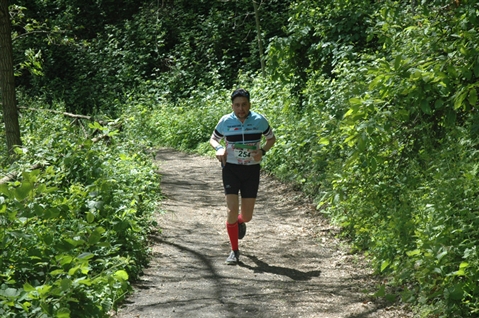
[(241, 178)]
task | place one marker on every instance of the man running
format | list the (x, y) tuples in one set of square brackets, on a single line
[(240, 158)]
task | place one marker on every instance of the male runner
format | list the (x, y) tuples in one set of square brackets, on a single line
[(240, 158)]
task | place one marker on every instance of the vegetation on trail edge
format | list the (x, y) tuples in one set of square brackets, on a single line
[(374, 104), (74, 228)]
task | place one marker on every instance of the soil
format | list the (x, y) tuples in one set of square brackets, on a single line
[(292, 263)]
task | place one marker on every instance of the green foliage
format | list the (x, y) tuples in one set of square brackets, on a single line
[(374, 111), (183, 125), (88, 57), (320, 34), (374, 104), (75, 231), (62, 34)]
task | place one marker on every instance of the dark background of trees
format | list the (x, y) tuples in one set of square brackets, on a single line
[(94, 51)]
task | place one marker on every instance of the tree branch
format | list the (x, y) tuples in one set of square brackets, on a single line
[(12, 175), (101, 122)]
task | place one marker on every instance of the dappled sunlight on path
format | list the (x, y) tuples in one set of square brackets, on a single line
[(289, 266)]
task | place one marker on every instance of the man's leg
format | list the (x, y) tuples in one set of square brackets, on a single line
[(249, 191), (232, 205), (247, 208)]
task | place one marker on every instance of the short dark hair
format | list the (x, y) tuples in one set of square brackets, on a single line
[(240, 92)]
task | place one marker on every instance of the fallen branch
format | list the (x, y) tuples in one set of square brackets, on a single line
[(12, 175), (76, 116)]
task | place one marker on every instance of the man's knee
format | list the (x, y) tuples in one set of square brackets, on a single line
[(247, 217)]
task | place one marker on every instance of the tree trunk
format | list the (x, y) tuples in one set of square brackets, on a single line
[(7, 81), (260, 39)]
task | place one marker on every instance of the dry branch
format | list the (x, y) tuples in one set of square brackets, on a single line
[(76, 116), (12, 175)]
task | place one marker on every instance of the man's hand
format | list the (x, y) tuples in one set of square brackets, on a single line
[(221, 156), (257, 155)]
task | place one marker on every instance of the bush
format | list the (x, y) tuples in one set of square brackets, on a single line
[(74, 232)]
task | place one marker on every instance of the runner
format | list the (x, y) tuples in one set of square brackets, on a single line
[(240, 158)]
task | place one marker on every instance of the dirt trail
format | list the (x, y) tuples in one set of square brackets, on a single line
[(292, 266)]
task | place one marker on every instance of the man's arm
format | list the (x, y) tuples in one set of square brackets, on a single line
[(258, 154), (214, 141), (220, 150), (269, 143)]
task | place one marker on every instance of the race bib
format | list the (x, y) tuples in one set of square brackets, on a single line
[(243, 152)]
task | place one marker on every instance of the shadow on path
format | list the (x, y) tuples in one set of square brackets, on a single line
[(262, 267)]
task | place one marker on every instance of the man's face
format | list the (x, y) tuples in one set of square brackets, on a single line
[(241, 107)]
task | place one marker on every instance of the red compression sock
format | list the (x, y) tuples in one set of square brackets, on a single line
[(233, 234), (240, 219)]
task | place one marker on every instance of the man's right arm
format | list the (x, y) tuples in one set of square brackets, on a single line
[(220, 150)]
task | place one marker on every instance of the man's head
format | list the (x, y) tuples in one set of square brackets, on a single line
[(240, 103), (240, 92)]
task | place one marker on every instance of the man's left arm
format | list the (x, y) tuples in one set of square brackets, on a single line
[(269, 143), (270, 140)]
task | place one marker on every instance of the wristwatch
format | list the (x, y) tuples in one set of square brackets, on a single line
[(263, 152)]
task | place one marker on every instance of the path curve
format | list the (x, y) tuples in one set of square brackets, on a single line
[(292, 266)]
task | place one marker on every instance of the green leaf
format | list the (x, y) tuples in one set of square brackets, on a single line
[(413, 253), (23, 190), (323, 141), (381, 292), (460, 272), (85, 268), (355, 101), (121, 274), (94, 238), (463, 265), (4, 190), (73, 270), (64, 259), (86, 256), (28, 288), (441, 255), (57, 272), (84, 281), (10, 292), (459, 99), (95, 125), (385, 265), (66, 283), (63, 313), (472, 97), (476, 67), (43, 290), (397, 62), (425, 107), (90, 217)]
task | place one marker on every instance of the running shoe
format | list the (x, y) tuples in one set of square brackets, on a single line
[(233, 259), (241, 230)]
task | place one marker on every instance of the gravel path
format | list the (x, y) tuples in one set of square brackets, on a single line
[(292, 264)]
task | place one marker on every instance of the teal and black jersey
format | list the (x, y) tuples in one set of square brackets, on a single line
[(242, 138)]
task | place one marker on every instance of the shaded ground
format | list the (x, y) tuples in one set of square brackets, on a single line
[(292, 266)]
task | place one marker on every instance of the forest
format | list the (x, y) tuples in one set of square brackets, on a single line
[(374, 105)]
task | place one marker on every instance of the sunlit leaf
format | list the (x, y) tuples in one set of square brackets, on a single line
[(121, 274)]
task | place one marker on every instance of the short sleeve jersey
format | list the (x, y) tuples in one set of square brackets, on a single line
[(242, 138)]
